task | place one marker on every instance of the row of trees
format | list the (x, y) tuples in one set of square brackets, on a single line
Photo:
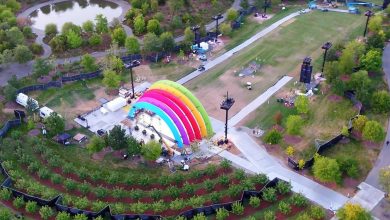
[(14, 34)]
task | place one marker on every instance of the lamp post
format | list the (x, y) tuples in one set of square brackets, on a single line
[(368, 13), (130, 66), (195, 29), (325, 47), (216, 18), (226, 105)]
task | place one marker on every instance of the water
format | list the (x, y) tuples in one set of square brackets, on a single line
[(76, 11)]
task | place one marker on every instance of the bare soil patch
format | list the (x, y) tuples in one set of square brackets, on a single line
[(293, 140)]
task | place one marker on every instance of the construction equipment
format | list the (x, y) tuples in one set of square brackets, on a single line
[(170, 150)]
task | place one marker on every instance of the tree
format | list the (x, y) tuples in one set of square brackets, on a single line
[(302, 104), (350, 56), (101, 24), (111, 80), (23, 54), (55, 124), (154, 26), (326, 169), (58, 43), (95, 39), (119, 36), (384, 178), (51, 30), (167, 41), (88, 26), (359, 122), (226, 29), (132, 45), (10, 92), (41, 67), (88, 62), (376, 40), (362, 84), (151, 151), (353, 212), (176, 22), (244, 4), (189, 36), (380, 102), (46, 212), (372, 61), (373, 131), (139, 24), (14, 36), (133, 147), (232, 14), (32, 106), (151, 43), (332, 71), (117, 138), (175, 5), (375, 24), (96, 144), (7, 57), (294, 124), (273, 137), (73, 39), (63, 216)]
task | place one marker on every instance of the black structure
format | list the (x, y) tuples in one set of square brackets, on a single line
[(385, 4), (368, 13), (226, 105), (195, 29), (216, 18), (326, 47), (130, 66), (306, 70)]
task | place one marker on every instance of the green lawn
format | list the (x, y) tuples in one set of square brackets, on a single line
[(170, 71)]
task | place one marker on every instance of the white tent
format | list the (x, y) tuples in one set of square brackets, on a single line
[(116, 104), (22, 99), (204, 46), (45, 112)]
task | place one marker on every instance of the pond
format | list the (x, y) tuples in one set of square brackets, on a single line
[(76, 11)]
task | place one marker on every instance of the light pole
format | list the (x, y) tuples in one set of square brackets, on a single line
[(368, 14), (195, 29), (326, 47), (216, 18), (130, 66), (226, 105)]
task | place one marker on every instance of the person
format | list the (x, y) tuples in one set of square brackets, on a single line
[(387, 142)]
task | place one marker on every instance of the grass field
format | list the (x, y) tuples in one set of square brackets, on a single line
[(280, 53)]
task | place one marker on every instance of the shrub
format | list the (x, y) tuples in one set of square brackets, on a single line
[(200, 216), (247, 184), (100, 192), (156, 194), (31, 207), (317, 212), (196, 201), (63, 216), (82, 173), (159, 206), (118, 208), (145, 181), (84, 188), (349, 166), (80, 217), (211, 169), (226, 164), (269, 215), (118, 192), (18, 202), (209, 185), (269, 195), (237, 208), (136, 194), (98, 206), (188, 188), (138, 207), (254, 201), (234, 190), (81, 203), (298, 200), (294, 124), (5, 194), (195, 174), (113, 178), (222, 214), (326, 169), (215, 197), (43, 173), (164, 180), (46, 212), (273, 137), (178, 178), (284, 207), (223, 180), (260, 179), (177, 204), (283, 187), (239, 174), (5, 214), (173, 191), (70, 185), (56, 179)]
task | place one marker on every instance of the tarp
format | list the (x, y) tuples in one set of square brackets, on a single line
[(116, 104)]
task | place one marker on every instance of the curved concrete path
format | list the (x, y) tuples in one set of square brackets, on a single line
[(41, 33)]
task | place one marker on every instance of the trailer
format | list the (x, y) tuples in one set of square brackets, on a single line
[(45, 112), (22, 99)]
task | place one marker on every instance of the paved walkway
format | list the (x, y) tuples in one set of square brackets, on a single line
[(258, 101), (231, 52)]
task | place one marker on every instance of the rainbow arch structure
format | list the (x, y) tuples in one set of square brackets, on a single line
[(179, 108)]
